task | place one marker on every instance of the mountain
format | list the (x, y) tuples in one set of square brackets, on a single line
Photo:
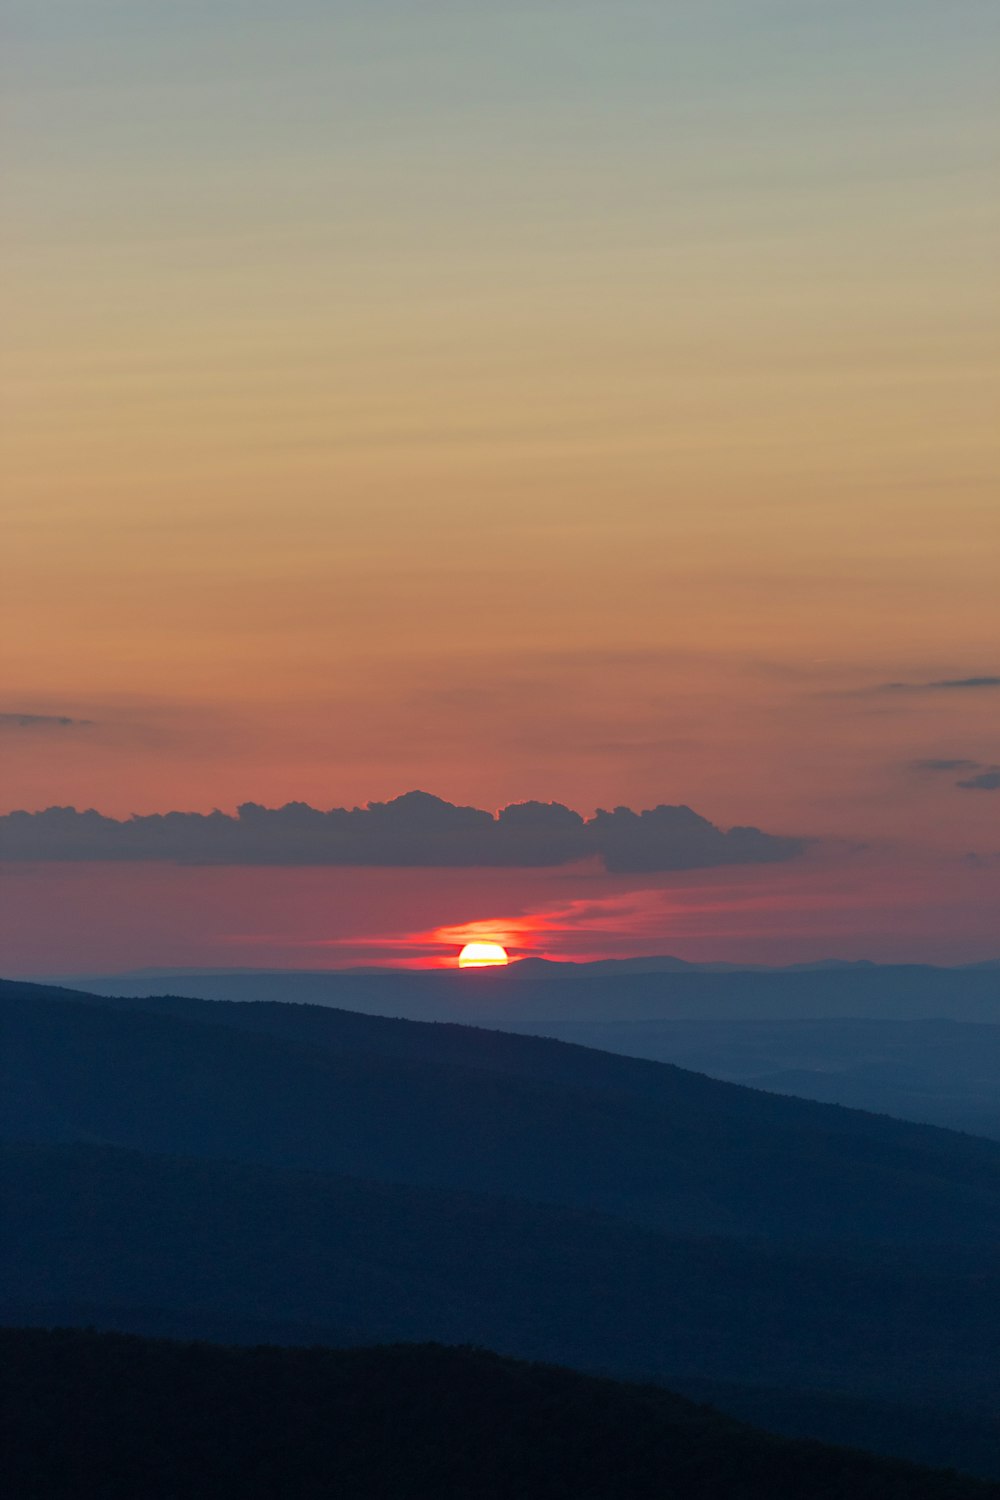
[(919, 1043), (655, 963), (535, 993), (91, 1414), (459, 1108), (939, 1072), (106, 1236), (291, 1173)]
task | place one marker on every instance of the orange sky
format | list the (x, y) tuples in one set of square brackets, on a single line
[(592, 404)]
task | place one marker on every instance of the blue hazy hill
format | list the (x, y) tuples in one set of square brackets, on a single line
[(297, 1173), (913, 1041)]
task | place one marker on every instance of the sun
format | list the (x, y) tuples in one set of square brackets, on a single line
[(481, 956)]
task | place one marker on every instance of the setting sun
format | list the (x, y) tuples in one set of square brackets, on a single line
[(481, 956)]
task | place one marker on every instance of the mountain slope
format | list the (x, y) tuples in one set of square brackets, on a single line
[(453, 1107), (99, 1228), (940, 1072), (293, 1173), (909, 1041), (89, 1414)]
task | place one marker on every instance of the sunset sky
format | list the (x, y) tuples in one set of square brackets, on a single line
[(585, 403)]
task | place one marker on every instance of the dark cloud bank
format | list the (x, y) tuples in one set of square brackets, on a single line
[(413, 830)]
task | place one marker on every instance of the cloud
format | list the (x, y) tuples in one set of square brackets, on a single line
[(415, 830), (42, 721), (980, 861), (675, 838), (944, 684), (986, 780), (945, 765)]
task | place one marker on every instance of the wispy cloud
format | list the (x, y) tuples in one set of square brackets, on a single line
[(941, 685), (620, 924), (983, 777), (588, 927), (42, 721), (981, 861), (987, 780), (944, 765)]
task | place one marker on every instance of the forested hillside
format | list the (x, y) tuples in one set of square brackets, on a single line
[(99, 1417)]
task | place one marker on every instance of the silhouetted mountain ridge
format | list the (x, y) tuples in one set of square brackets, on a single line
[(91, 1414)]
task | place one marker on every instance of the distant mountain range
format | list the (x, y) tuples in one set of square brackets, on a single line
[(663, 963), (295, 1173), (537, 990)]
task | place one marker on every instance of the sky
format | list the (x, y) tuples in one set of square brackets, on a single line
[(575, 403)]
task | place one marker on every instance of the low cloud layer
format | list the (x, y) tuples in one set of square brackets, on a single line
[(413, 830)]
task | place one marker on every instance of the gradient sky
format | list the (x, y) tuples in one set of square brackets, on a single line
[(580, 401)]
